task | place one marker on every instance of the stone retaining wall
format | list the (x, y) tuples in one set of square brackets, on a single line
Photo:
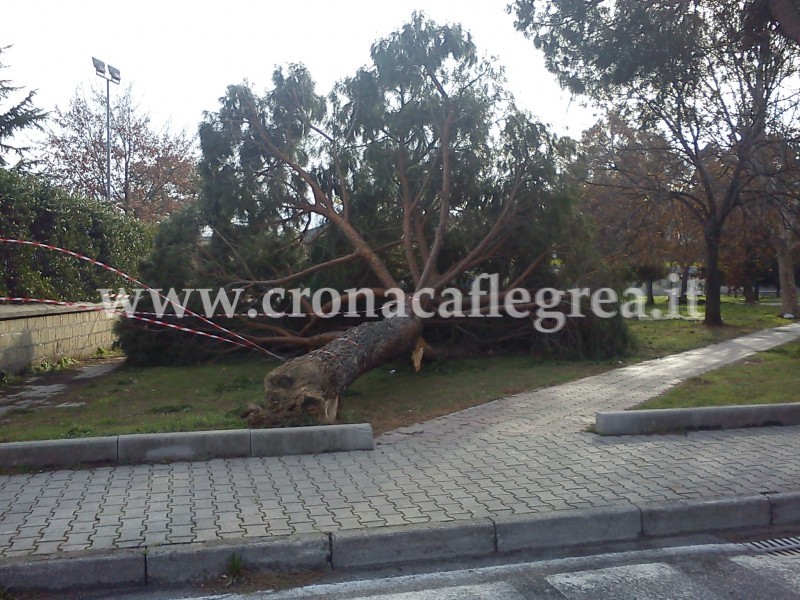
[(31, 335)]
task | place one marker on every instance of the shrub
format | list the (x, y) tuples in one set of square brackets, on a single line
[(32, 209)]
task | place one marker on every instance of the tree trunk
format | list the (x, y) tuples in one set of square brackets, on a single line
[(713, 281), (684, 297), (785, 14), (750, 293), (651, 299), (788, 285), (306, 390)]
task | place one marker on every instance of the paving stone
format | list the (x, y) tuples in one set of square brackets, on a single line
[(206, 535), (520, 455), (26, 545), (154, 538), (48, 547), (181, 518), (25, 532)]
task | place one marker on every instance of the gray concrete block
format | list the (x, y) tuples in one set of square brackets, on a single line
[(412, 543), (122, 568), (312, 440), (785, 508), (190, 562), (306, 552), (639, 422), (568, 528), (672, 518), (197, 445), (58, 453), (202, 562)]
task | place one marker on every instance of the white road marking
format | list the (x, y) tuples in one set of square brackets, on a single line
[(787, 568), (656, 581)]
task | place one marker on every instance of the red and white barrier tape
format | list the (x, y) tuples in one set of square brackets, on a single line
[(194, 331), (246, 343)]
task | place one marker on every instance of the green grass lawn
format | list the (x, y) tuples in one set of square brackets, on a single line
[(654, 339), (146, 401), (393, 397), (213, 396), (770, 377)]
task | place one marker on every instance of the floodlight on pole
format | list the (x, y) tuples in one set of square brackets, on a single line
[(114, 72), (113, 75), (99, 66)]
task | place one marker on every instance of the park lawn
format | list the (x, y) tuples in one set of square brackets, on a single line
[(654, 339), (152, 400), (769, 377), (389, 398), (202, 397)]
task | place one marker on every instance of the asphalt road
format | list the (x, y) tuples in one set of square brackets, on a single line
[(700, 572), (693, 575)]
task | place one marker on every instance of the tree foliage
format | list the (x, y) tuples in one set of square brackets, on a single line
[(33, 210), (691, 73), (626, 177), (764, 16), (21, 115), (152, 171), (416, 172), (772, 214)]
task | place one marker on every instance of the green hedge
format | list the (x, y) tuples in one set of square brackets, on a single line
[(33, 210)]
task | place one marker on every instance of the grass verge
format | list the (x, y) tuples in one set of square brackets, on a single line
[(154, 400), (770, 377), (202, 397), (654, 339)]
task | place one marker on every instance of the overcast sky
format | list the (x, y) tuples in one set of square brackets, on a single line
[(180, 56)]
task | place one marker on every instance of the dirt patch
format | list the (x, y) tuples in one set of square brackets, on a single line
[(249, 582), (46, 390)]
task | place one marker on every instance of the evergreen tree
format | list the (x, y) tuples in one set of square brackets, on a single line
[(416, 174), (21, 115)]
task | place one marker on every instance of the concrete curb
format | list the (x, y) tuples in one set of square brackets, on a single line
[(535, 532), (58, 452), (198, 562), (122, 568), (312, 440), (675, 518), (197, 445), (640, 422), (385, 546)]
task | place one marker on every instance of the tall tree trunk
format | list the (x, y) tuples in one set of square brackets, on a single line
[(306, 390), (785, 13), (651, 299), (750, 292), (713, 280), (788, 285), (684, 297)]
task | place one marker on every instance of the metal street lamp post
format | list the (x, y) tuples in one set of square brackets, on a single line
[(112, 76)]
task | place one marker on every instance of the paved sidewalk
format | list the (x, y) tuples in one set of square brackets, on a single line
[(520, 455)]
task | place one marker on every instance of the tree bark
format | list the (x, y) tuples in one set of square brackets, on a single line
[(651, 299), (750, 292), (713, 281), (786, 15), (307, 390), (684, 297), (788, 285)]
